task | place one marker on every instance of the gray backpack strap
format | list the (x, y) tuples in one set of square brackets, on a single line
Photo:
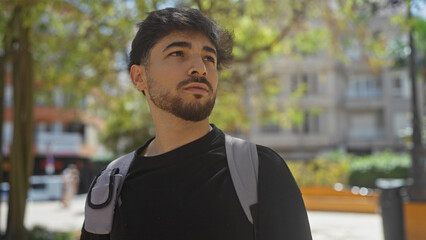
[(123, 164), (243, 163), (103, 194)]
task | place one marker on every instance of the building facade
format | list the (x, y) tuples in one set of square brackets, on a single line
[(346, 107), (60, 131)]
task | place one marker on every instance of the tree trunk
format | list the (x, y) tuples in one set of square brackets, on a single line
[(23, 128), (2, 84), (417, 189), (4, 60)]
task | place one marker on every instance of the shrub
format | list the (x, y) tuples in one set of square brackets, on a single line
[(336, 167), (365, 170), (325, 170), (40, 233)]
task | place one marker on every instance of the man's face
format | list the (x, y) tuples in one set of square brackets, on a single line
[(181, 75)]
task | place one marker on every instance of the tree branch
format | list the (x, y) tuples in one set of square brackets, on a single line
[(298, 15), (199, 5)]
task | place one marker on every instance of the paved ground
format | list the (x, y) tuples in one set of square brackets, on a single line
[(345, 226), (325, 225)]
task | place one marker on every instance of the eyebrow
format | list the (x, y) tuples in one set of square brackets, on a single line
[(188, 45), (210, 49)]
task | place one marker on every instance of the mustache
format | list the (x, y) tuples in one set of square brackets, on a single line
[(195, 79)]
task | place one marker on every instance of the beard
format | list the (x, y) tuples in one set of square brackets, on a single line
[(190, 111)]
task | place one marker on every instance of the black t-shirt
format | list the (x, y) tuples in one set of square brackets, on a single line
[(186, 193)]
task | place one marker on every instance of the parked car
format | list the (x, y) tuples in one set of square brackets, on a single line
[(45, 187), (42, 188)]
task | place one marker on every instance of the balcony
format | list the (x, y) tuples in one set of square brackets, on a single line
[(366, 138), (58, 143), (367, 99), (366, 134), (283, 140)]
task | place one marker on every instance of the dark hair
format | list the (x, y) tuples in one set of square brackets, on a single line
[(160, 23)]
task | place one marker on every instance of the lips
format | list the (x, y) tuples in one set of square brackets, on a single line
[(197, 87)]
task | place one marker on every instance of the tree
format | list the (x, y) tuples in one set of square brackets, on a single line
[(3, 60), (417, 190), (415, 61), (132, 125), (52, 44), (18, 52)]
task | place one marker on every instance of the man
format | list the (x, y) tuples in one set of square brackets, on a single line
[(178, 185)]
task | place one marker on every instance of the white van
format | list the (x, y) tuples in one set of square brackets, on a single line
[(45, 187)]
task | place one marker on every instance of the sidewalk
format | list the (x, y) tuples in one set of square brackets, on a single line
[(324, 225), (345, 226), (51, 215)]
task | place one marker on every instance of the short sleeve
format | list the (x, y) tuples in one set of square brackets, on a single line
[(91, 236), (281, 210)]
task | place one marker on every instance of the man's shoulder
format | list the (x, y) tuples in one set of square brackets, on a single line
[(274, 171), (269, 155), (266, 154)]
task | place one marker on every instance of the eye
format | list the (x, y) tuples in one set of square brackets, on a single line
[(210, 59), (177, 54)]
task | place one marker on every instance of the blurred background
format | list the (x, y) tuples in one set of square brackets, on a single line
[(334, 86)]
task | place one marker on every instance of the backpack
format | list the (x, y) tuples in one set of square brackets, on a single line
[(103, 195)]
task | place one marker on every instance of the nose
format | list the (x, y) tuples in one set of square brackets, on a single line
[(197, 67)]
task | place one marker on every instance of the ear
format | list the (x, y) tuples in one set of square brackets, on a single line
[(137, 74)]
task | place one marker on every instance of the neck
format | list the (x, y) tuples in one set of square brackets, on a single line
[(173, 132)]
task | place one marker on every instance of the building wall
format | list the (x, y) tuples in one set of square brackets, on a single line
[(59, 130), (359, 111)]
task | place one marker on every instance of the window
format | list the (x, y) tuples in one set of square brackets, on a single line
[(58, 98), (402, 126), (75, 127), (294, 83), (295, 128), (41, 98), (315, 123), (8, 96), (7, 133), (313, 84), (310, 125), (310, 80), (366, 125), (364, 86), (305, 79), (57, 127), (397, 87), (305, 125), (41, 127), (271, 128)]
